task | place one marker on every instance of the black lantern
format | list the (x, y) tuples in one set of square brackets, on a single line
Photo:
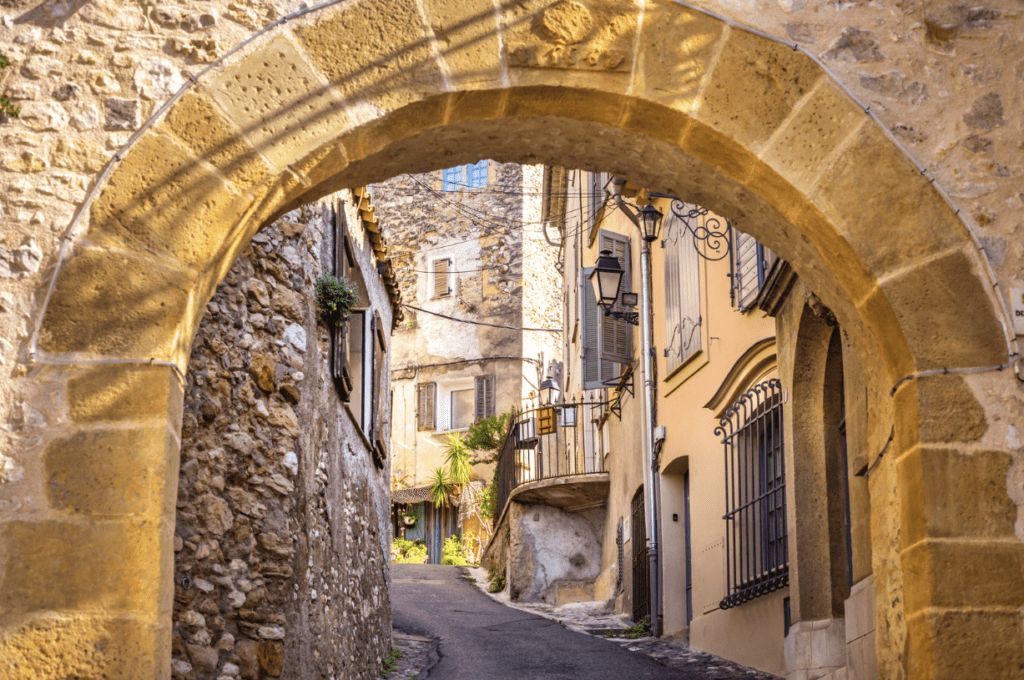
[(649, 221), (606, 279), (548, 390)]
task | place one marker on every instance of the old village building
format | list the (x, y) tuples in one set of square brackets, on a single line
[(474, 270), (875, 148)]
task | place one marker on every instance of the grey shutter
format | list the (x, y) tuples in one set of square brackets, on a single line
[(747, 268), (426, 409), (484, 397), (589, 323), (441, 268), (615, 335), (682, 296)]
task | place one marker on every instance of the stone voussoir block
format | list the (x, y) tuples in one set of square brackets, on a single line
[(111, 302), (677, 47), (109, 566), (196, 120), (164, 200), (468, 39), (754, 74), (888, 211), (943, 309), (286, 109), (110, 472), (378, 52)]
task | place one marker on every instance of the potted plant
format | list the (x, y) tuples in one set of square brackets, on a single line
[(410, 516), (335, 298)]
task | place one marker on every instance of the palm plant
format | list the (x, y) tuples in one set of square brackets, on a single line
[(457, 460), (440, 487)]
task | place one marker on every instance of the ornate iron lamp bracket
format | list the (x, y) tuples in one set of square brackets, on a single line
[(629, 317), (715, 237)]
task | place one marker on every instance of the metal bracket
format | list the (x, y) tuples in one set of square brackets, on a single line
[(711, 233), (629, 317)]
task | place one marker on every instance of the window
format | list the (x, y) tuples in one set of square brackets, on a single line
[(456, 403), (471, 176), (682, 293), (750, 262), (356, 335), (757, 550), (463, 410), (380, 418), (426, 398), (440, 285)]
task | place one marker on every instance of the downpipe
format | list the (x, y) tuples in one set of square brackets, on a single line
[(650, 498)]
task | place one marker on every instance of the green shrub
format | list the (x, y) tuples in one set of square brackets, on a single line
[(404, 551), (452, 552), (6, 107), (489, 433), (335, 298), (496, 580)]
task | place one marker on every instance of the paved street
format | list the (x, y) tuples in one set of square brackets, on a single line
[(483, 639)]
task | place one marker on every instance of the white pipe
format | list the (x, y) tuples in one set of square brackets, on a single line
[(650, 472)]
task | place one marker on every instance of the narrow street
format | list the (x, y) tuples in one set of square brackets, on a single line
[(483, 639)]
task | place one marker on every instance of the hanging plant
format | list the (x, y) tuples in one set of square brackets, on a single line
[(335, 298)]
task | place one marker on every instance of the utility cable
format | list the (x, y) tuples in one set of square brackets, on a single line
[(482, 323)]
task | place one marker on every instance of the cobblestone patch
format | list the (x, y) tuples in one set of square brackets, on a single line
[(418, 656), (594, 618)]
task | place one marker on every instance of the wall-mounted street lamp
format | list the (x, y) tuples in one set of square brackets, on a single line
[(548, 391), (606, 278)]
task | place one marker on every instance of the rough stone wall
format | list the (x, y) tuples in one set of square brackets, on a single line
[(282, 518)]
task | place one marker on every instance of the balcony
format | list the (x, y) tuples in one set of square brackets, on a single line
[(553, 455)]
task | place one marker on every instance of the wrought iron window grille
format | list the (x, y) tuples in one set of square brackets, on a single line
[(757, 548)]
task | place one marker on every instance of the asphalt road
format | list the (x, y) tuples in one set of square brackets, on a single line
[(481, 639)]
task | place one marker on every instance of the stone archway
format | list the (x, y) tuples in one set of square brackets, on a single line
[(356, 92)]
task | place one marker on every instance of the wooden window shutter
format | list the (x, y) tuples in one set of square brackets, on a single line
[(748, 268), (441, 268), (426, 406), (380, 392), (590, 320), (339, 336), (484, 397), (682, 296), (615, 335), (452, 179)]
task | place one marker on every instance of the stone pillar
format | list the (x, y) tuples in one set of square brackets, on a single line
[(86, 581)]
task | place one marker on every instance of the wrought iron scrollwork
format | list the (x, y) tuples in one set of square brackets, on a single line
[(711, 232)]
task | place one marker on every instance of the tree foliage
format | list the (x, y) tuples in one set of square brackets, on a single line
[(489, 433), (440, 487)]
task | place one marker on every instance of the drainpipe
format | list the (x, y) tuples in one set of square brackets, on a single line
[(650, 498)]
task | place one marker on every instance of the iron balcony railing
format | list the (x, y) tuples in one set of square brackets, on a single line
[(559, 440), (757, 547)]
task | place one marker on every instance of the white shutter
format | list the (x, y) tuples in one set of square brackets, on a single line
[(674, 233), (484, 397), (615, 335), (426, 393), (747, 268)]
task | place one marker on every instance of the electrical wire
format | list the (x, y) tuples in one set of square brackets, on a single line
[(482, 323)]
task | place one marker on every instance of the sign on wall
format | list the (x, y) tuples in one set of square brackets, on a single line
[(1017, 303)]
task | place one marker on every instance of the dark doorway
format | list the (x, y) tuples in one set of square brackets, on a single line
[(641, 586)]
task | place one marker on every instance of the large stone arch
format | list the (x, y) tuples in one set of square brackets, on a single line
[(675, 99)]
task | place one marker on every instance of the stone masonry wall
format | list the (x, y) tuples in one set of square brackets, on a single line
[(280, 567)]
